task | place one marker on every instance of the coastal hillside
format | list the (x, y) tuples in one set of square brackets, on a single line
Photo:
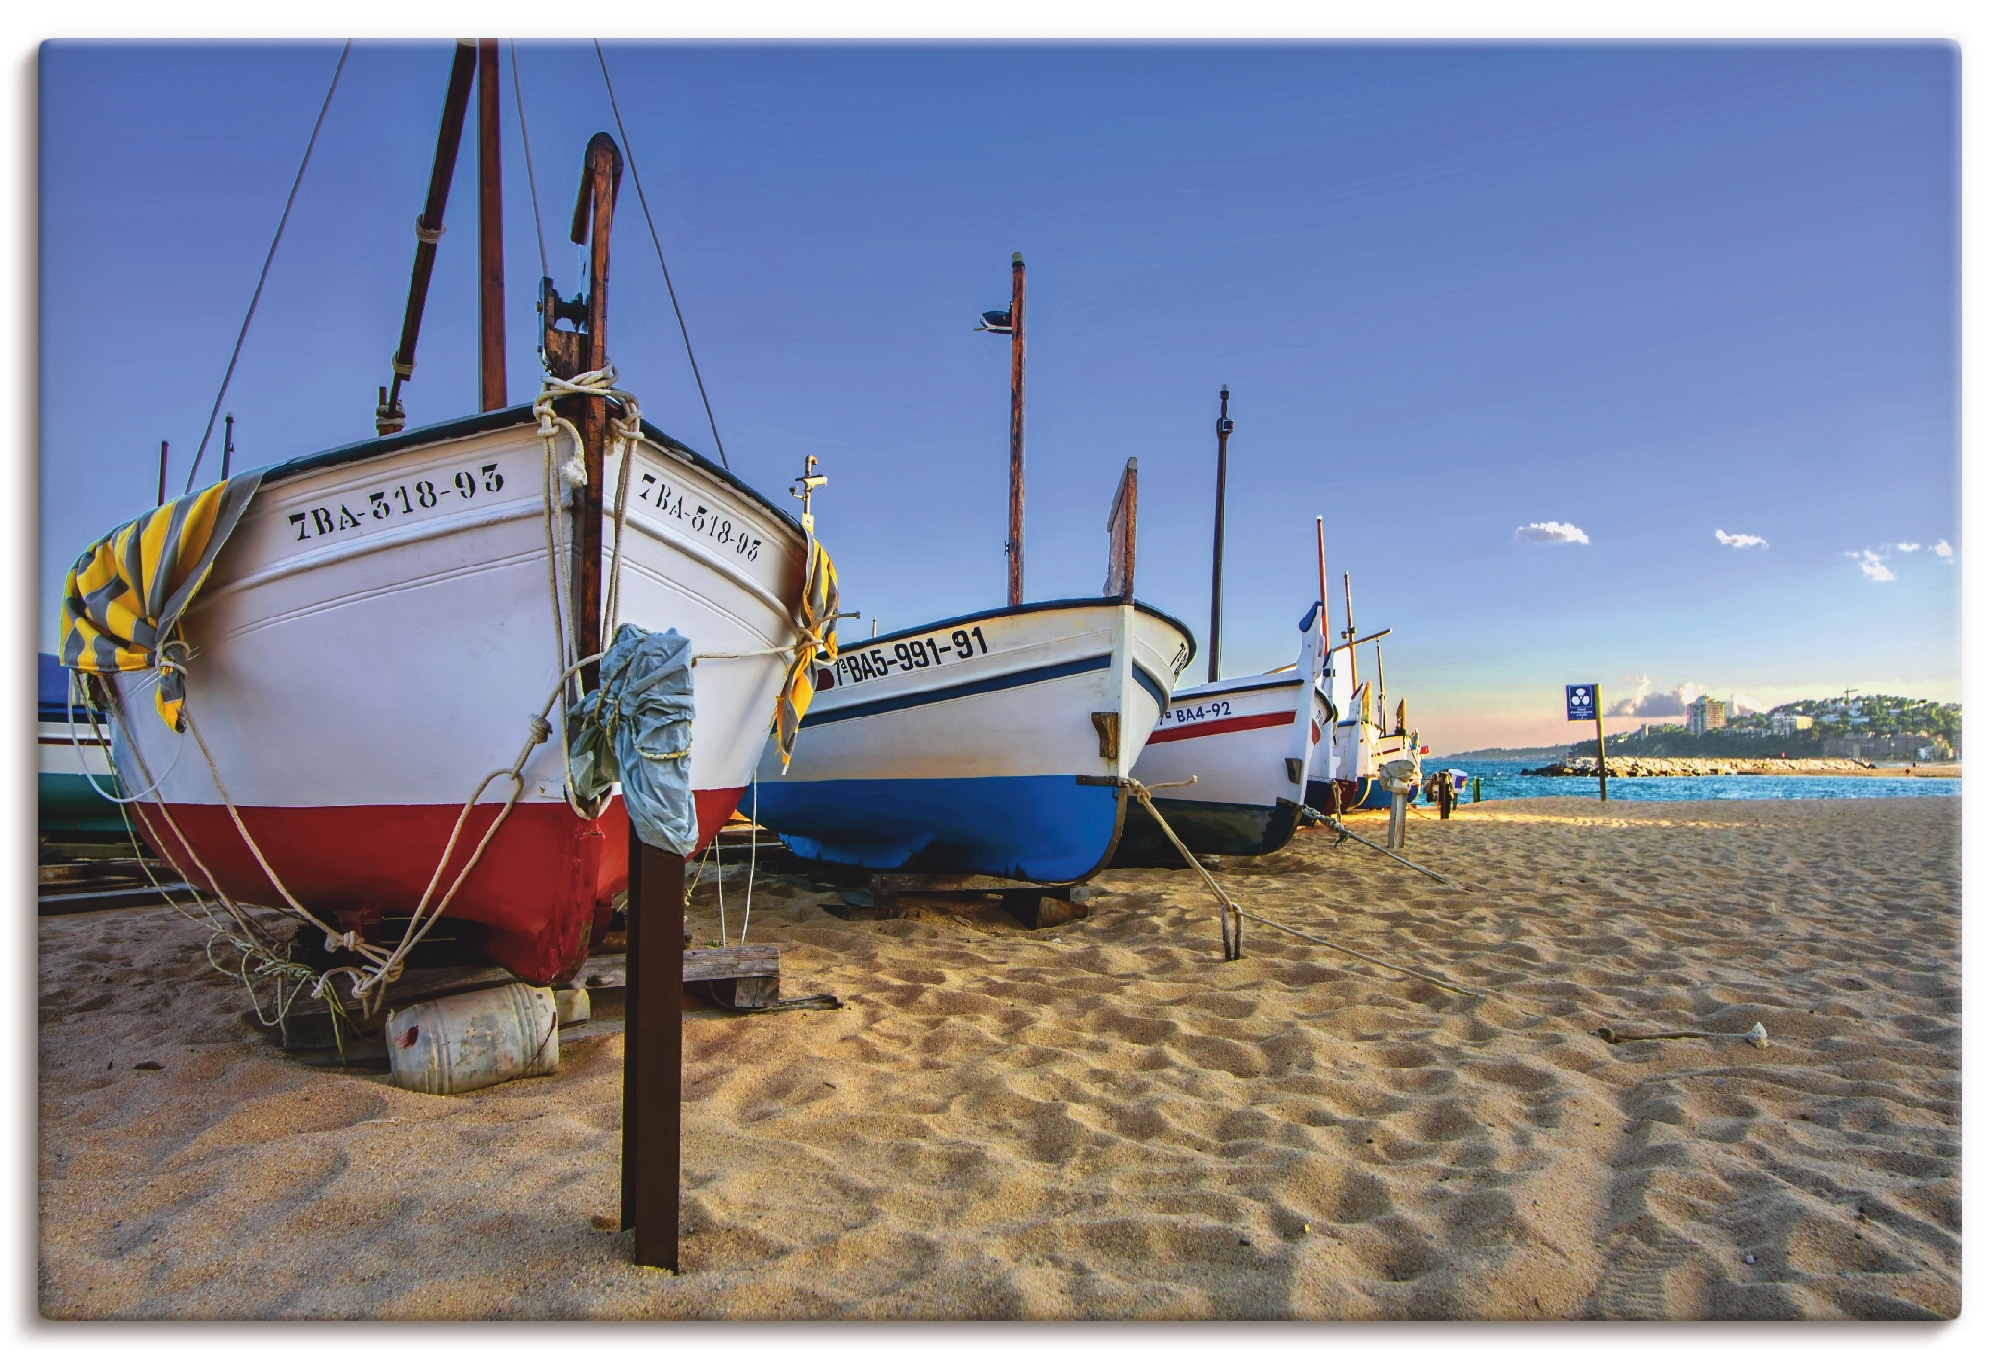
[(1868, 727), (1527, 754)]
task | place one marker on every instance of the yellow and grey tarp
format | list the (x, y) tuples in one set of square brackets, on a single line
[(818, 603), (124, 598)]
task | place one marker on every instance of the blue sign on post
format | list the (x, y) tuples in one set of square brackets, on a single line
[(1582, 701)]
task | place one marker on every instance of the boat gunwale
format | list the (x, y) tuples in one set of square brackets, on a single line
[(489, 422), (1016, 610), (1225, 687)]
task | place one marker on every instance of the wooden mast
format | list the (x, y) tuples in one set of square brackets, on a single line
[(1325, 634), (1353, 674), (1016, 513), (430, 227), (1224, 426), (492, 259), (571, 353)]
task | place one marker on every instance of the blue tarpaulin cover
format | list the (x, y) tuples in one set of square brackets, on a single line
[(635, 729)]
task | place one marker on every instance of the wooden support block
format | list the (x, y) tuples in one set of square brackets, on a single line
[(744, 993), (858, 903), (1041, 908), (742, 977)]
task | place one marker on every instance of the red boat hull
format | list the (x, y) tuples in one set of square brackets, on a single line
[(538, 890)]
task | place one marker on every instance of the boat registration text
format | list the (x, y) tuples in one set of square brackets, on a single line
[(861, 664), (1195, 712)]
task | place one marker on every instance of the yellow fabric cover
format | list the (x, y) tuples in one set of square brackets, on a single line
[(819, 602), (123, 599)]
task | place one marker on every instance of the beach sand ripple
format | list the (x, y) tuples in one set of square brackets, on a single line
[(1104, 1119)]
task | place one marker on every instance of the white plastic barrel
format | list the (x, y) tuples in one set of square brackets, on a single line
[(469, 1041)]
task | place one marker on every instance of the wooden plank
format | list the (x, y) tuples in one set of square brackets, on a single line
[(960, 882), (697, 965), (77, 903), (722, 964)]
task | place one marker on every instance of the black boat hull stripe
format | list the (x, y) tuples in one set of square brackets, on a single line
[(1151, 686), (818, 716)]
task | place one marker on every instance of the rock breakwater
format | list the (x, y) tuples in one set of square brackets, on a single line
[(1682, 766)]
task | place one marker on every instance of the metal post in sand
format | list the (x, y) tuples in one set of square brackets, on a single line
[(650, 1162)]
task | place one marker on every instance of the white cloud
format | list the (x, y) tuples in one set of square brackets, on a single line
[(1943, 549), (1741, 703), (1551, 531), (1646, 703), (1739, 539), (1909, 547), (1872, 567)]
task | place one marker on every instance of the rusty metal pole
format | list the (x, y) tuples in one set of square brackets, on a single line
[(1224, 426), (1016, 574), (650, 1152), (492, 259)]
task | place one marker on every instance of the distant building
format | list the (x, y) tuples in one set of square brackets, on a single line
[(1707, 714), (1791, 722)]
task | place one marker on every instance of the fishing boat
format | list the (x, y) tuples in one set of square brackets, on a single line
[(1397, 743), (993, 744), (73, 773), (380, 627), (1228, 761), (996, 744), (1344, 764)]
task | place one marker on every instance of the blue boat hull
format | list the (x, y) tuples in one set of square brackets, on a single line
[(1040, 828)]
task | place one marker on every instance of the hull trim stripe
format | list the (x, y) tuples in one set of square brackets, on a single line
[(1221, 728), (1151, 686), (1061, 670)]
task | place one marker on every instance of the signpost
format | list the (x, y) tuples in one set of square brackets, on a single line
[(1585, 707)]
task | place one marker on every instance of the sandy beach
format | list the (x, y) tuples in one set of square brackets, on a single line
[(1105, 1119)]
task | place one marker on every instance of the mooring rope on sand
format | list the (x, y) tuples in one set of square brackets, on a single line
[(1234, 915), (1340, 829)]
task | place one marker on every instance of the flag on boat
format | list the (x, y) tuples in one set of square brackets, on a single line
[(124, 597), (818, 604)]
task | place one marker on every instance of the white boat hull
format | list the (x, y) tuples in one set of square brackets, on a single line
[(991, 744), (373, 641), (1247, 743)]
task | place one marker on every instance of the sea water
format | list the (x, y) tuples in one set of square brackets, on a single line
[(1504, 779)]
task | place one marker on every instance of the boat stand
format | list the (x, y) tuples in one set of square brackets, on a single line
[(650, 1152), (1037, 905)]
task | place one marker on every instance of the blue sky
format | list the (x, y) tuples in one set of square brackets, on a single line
[(1650, 291)]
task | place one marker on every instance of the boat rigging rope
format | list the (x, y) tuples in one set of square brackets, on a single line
[(534, 199), (559, 477), (749, 886), (251, 940), (269, 255), (633, 160), (368, 982), (76, 678)]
